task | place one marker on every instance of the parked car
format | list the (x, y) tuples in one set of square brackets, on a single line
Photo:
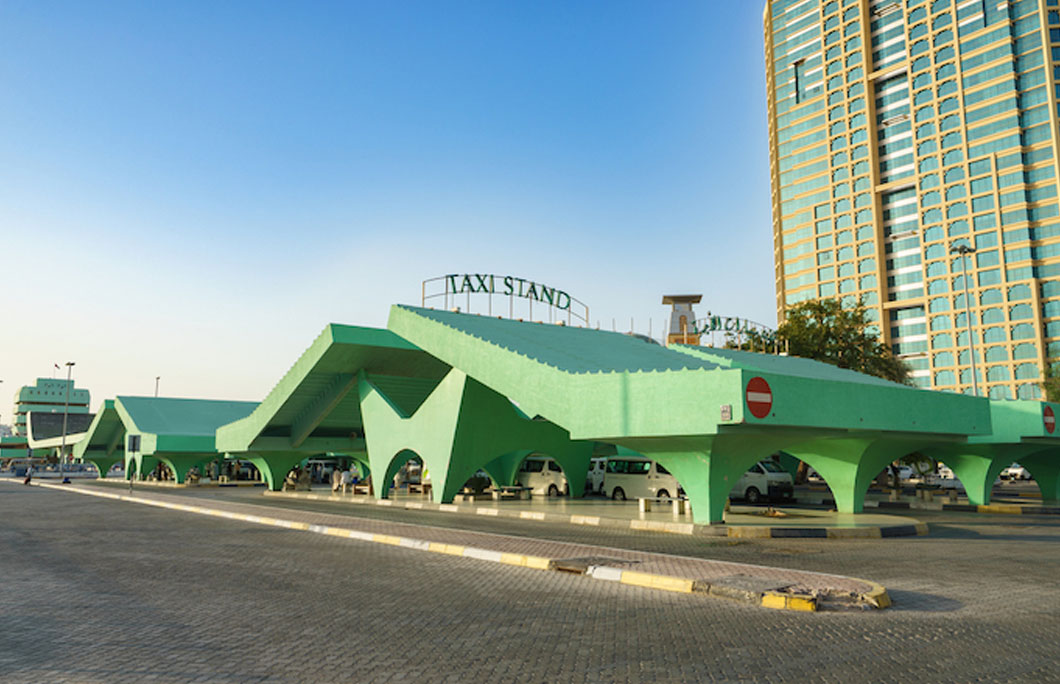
[(1015, 472), (764, 479), (906, 472), (542, 475), (636, 477), (594, 480)]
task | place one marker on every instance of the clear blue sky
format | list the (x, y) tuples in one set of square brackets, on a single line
[(193, 190)]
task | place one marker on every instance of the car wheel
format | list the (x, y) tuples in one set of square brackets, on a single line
[(752, 495), (663, 494), (553, 490), (617, 494)]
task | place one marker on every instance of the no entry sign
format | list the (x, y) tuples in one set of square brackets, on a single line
[(759, 397), (1049, 418)]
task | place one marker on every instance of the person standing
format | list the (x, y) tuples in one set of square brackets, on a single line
[(346, 480)]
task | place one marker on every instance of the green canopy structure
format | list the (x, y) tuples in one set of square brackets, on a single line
[(145, 430), (369, 394), (705, 414), (1023, 432), (465, 393)]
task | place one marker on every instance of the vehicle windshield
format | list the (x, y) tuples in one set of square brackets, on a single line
[(771, 467)]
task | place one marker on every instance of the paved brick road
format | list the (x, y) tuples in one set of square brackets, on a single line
[(102, 591)]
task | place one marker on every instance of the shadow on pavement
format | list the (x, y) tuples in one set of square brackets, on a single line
[(919, 602)]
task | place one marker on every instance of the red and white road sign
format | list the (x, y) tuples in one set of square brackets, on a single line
[(1049, 418), (759, 397)]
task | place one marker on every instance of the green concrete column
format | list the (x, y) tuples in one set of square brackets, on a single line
[(102, 463), (461, 427), (274, 465), (848, 465), (1044, 466), (707, 468), (977, 472), (180, 464), (505, 469), (137, 466)]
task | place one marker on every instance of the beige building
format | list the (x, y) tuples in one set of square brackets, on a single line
[(902, 131)]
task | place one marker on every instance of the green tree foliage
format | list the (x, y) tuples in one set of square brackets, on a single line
[(825, 330), (1051, 384)]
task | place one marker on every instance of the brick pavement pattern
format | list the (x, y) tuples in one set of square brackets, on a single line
[(102, 591), (669, 565)]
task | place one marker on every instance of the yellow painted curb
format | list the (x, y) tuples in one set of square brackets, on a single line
[(450, 549), (750, 532), (877, 596), (799, 602), (519, 559), (643, 579), (386, 539), (1001, 508)]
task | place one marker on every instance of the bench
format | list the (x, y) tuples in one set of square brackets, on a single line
[(680, 506), (419, 488), (516, 492), (362, 488)]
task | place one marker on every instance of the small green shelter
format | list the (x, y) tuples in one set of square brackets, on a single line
[(178, 432)]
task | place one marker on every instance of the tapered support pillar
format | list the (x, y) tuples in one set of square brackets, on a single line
[(977, 472), (180, 464), (707, 468), (849, 465), (1045, 469), (274, 466), (461, 427), (103, 463)]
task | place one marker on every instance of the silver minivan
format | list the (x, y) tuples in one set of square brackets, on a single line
[(542, 475), (633, 477), (594, 479)]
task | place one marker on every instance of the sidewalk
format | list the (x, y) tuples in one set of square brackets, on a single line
[(1008, 500), (740, 522), (766, 586)]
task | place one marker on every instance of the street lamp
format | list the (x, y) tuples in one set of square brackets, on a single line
[(964, 250), (157, 378), (66, 411)]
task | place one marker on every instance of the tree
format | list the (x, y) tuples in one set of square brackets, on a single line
[(1051, 383), (825, 330)]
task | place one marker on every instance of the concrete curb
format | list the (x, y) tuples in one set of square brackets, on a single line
[(876, 597), (731, 531), (1007, 509)]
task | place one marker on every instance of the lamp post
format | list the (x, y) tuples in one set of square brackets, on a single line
[(66, 412), (964, 250), (157, 378)]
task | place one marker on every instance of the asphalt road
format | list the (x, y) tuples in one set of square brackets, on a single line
[(103, 591)]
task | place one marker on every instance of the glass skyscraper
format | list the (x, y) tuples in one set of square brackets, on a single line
[(900, 132)]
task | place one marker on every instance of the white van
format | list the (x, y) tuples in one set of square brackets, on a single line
[(594, 480), (542, 475), (633, 477), (765, 479)]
